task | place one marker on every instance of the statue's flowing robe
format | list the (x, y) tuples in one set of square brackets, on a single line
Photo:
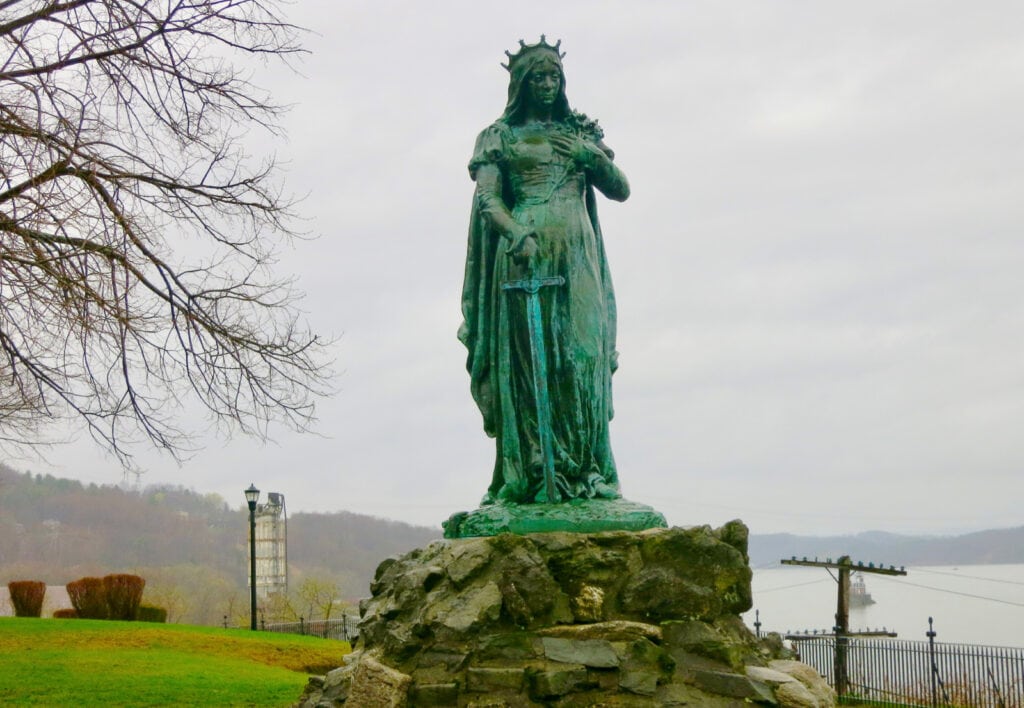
[(548, 192)]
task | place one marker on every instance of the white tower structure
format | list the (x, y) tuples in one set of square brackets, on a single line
[(271, 547)]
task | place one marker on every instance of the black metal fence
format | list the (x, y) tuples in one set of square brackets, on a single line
[(343, 629), (916, 673)]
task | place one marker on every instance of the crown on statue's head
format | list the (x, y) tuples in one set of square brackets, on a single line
[(525, 49)]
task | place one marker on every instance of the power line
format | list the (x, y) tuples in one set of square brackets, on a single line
[(961, 594), (971, 577), (787, 587)]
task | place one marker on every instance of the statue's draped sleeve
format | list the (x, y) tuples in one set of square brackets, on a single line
[(479, 297)]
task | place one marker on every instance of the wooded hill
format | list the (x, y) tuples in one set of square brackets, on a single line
[(879, 547), (190, 547)]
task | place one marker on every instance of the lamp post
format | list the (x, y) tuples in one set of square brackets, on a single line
[(251, 496)]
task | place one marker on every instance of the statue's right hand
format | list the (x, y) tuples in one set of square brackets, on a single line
[(526, 251), (524, 246)]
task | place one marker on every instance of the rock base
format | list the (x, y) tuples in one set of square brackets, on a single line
[(567, 619), (576, 516)]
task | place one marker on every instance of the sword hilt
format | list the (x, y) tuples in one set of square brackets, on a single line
[(532, 285)]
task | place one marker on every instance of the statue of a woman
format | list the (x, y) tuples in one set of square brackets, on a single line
[(534, 217)]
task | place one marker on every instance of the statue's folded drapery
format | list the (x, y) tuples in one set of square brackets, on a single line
[(526, 184)]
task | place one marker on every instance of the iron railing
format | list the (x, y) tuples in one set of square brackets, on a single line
[(915, 673), (343, 629)]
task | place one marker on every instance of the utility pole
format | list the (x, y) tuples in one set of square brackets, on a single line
[(842, 627)]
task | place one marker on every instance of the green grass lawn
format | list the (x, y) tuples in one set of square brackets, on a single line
[(88, 662)]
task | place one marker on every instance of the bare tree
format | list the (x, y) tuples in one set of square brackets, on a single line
[(135, 234), (318, 596)]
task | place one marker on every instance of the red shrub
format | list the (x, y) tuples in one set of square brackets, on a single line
[(65, 614), (123, 593), (27, 597), (88, 598), (148, 613)]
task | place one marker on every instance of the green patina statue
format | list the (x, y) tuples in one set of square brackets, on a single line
[(538, 302)]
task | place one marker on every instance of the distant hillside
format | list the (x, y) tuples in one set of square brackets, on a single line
[(191, 547), (350, 546), (994, 546), (57, 530)]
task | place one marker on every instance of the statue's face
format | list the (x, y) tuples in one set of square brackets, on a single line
[(544, 83)]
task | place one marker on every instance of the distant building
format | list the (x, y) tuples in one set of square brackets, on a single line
[(271, 547)]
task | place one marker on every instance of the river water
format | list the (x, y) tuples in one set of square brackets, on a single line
[(974, 604)]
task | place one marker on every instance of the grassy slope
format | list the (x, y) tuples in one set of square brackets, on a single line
[(81, 662)]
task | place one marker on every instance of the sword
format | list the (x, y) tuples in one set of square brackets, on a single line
[(531, 286)]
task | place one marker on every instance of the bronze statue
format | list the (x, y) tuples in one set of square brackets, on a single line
[(537, 300)]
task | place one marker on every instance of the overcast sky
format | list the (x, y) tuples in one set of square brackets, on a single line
[(819, 272)]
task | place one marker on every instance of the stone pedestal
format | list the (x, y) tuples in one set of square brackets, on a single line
[(619, 618)]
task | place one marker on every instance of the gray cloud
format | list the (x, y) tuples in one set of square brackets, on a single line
[(821, 317)]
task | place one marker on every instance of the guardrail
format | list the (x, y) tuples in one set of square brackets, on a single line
[(343, 629), (917, 673)]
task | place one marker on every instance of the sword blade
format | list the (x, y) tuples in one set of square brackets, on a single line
[(540, 393), (535, 324)]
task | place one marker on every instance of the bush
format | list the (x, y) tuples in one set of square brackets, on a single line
[(65, 614), (27, 597), (88, 598), (149, 613), (123, 594)]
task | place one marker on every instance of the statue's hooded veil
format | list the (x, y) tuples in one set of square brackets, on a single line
[(518, 91), (482, 298)]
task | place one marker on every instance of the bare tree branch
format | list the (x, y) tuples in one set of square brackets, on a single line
[(119, 143)]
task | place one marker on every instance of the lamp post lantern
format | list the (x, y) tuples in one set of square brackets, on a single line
[(252, 495)]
